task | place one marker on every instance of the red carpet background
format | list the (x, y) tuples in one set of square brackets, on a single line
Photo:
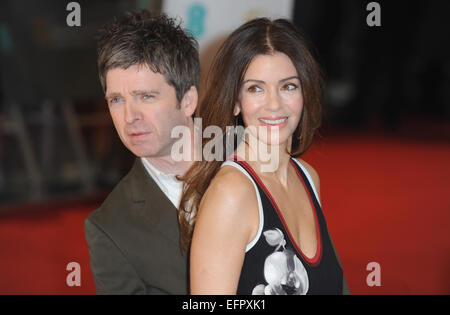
[(386, 200)]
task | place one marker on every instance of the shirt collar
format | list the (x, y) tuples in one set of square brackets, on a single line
[(156, 172)]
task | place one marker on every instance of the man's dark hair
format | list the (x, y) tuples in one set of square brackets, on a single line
[(156, 41)]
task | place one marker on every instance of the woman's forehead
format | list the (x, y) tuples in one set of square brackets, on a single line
[(274, 66)]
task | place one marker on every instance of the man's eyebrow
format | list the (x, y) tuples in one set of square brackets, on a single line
[(142, 92), (112, 95), (133, 93)]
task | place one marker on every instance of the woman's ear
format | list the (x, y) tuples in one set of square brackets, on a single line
[(237, 109), (189, 101)]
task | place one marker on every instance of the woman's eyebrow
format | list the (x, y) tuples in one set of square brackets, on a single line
[(282, 80), (290, 78), (253, 80)]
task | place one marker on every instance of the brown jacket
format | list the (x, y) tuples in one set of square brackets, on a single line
[(133, 240)]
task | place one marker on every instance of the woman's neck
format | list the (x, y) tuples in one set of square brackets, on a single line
[(268, 160)]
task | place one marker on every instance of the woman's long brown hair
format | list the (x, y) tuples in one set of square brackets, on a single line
[(256, 37)]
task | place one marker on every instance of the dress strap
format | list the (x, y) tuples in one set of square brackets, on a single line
[(308, 176)]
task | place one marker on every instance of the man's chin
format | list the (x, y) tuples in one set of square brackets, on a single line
[(142, 152)]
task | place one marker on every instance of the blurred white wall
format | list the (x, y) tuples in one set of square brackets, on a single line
[(210, 21)]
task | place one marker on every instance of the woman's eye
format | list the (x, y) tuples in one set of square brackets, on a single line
[(290, 87), (254, 89)]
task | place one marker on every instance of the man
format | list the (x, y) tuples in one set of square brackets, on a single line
[(149, 70)]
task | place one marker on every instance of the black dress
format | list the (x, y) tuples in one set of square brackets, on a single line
[(274, 263)]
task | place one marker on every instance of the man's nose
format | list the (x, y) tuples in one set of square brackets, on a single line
[(131, 112)]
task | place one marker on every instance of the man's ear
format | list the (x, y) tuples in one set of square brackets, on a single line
[(189, 101)]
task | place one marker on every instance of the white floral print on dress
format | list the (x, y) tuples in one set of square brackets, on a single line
[(283, 271)]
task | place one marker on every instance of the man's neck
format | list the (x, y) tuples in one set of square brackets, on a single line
[(168, 165)]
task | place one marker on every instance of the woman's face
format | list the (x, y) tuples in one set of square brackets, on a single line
[(271, 98)]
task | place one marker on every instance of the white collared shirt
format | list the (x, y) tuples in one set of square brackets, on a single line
[(168, 183)]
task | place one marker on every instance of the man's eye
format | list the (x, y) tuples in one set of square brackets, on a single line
[(147, 96), (114, 100)]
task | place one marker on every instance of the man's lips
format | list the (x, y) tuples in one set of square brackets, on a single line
[(136, 135)]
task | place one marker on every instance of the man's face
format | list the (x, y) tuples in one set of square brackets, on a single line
[(144, 109)]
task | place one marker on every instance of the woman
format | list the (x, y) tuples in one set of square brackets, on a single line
[(259, 228)]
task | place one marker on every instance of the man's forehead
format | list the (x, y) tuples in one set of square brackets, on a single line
[(136, 68), (140, 77)]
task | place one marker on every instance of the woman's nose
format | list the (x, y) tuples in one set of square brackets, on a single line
[(273, 101)]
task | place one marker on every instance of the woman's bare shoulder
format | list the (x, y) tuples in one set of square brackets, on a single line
[(224, 226), (227, 208), (232, 178), (230, 183)]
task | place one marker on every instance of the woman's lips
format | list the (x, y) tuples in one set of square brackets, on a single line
[(274, 122)]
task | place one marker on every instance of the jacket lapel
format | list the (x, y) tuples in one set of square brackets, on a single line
[(152, 204)]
